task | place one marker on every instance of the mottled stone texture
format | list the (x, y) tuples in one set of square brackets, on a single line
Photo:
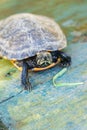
[(48, 107)]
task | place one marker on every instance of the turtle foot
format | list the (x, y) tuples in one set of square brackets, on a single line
[(27, 86), (65, 62)]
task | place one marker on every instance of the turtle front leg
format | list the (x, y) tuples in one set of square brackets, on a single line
[(65, 60), (24, 77)]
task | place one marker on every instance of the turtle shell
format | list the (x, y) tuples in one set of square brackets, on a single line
[(24, 35)]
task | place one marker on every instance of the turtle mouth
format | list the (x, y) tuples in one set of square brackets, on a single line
[(45, 63)]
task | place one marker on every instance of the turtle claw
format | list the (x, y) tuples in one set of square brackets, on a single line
[(28, 86), (66, 61)]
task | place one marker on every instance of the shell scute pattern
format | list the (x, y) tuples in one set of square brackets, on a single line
[(23, 35)]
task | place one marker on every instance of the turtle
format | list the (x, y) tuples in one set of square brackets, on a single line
[(32, 43)]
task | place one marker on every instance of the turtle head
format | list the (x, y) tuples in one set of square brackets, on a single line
[(43, 58)]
